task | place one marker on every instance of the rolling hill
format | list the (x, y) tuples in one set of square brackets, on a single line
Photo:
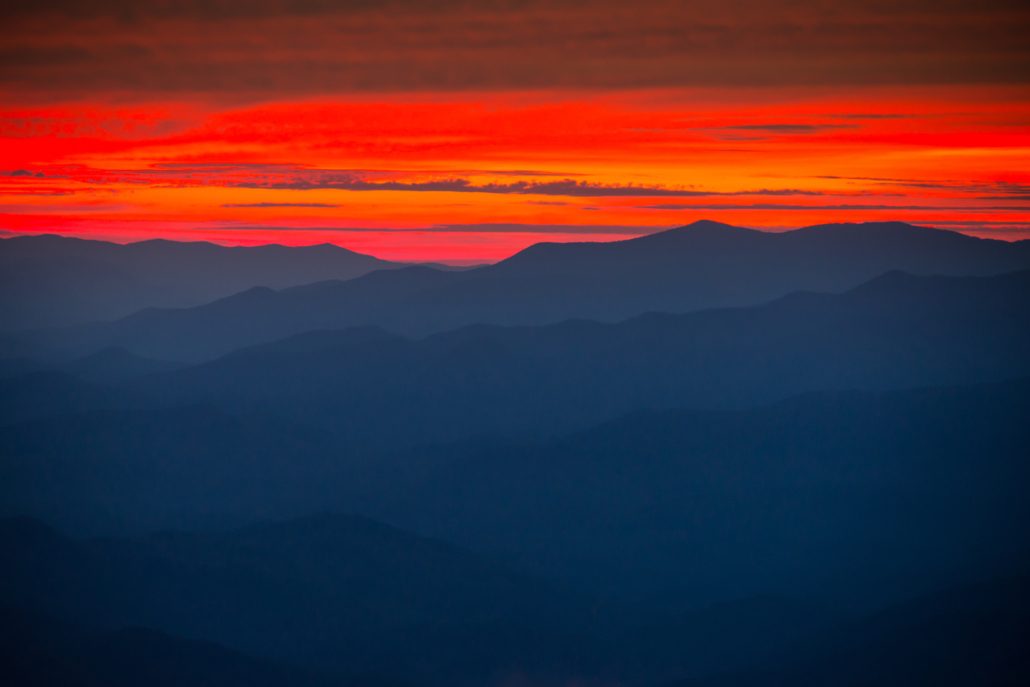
[(700, 266), (896, 331), (51, 280)]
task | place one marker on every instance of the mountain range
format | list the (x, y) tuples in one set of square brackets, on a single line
[(708, 456), (699, 266), (49, 280), (895, 331), (792, 497)]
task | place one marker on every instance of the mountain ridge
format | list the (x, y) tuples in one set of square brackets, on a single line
[(549, 283), (51, 280)]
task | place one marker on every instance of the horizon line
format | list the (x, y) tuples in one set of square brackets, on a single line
[(594, 232)]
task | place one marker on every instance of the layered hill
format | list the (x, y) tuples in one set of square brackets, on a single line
[(859, 499), (53, 280), (896, 331), (337, 593), (700, 266)]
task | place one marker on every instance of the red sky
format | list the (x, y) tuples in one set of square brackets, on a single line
[(466, 131)]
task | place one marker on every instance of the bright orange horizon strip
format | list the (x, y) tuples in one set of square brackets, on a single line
[(474, 177)]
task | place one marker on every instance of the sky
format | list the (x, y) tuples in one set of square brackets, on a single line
[(465, 131)]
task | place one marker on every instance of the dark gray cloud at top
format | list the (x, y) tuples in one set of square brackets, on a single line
[(57, 49)]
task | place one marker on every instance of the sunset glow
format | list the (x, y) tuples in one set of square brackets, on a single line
[(474, 166)]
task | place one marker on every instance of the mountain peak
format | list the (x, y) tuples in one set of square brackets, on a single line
[(703, 228), (710, 225)]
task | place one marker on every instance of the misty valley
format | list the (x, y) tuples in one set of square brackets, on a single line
[(710, 456)]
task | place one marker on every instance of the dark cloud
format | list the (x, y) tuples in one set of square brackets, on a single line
[(843, 206), (485, 227), (546, 228), (323, 179), (341, 180), (279, 205), (761, 132), (786, 128), (1025, 197), (298, 178), (39, 191), (870, 115), (566, 187), (55, 49), (1001, 190)]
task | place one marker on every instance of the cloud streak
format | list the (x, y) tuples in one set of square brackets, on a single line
[(279, 205), (753, 132), (566, 187), (835, 206), (471, 228), (280, 177)]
